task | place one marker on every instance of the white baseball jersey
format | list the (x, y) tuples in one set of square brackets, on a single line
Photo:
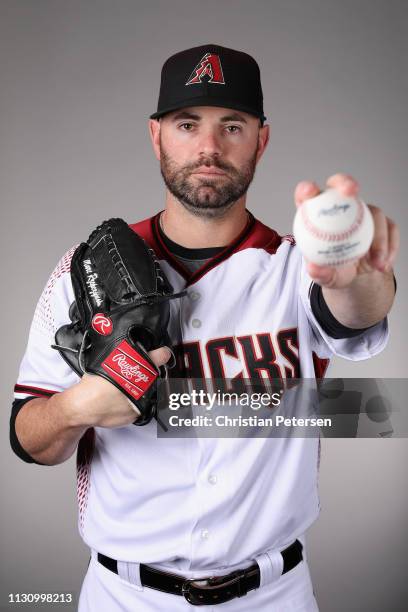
[(203, 503)]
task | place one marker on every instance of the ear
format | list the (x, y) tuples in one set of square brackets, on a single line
[(154, 130), (263, 139)]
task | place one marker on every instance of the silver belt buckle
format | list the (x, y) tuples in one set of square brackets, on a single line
[(194, 599), (213, 584)]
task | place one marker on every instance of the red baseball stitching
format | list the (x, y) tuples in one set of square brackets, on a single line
[(333, 236)]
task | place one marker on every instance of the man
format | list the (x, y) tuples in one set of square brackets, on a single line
[(158, 512)]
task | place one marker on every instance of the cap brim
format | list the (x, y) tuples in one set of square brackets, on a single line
[(207, 102)]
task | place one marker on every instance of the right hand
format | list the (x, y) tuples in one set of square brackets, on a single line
[(98, 403)]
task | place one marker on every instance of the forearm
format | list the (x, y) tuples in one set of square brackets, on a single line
[(49, 429), (46, 430), (366, 301)]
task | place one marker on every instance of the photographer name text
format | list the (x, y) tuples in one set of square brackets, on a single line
[(252, 421)]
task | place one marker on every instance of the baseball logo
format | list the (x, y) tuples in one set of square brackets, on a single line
[(333, 230), (209, 65), (102, 324)]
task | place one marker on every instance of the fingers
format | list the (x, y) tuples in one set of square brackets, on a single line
[(378, 253), (324, 276), (393, 244), (160, 356), (384, 248), (332, 278), (344, 183), (305, 190)]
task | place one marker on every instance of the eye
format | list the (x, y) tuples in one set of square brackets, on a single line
[(186, 127), (233, 129)]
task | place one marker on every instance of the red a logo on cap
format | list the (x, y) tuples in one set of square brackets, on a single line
[(209, 65)]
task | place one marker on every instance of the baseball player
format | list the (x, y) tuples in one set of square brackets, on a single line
[(175, 523)]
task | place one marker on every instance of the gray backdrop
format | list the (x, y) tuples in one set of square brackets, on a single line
[(78, 80)]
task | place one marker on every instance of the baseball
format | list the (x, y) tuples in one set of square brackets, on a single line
[(332, 229)]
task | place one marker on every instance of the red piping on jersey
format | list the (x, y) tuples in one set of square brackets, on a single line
[(320, 365), (214, 261), (176, 264), (254, 235), (34, 391)]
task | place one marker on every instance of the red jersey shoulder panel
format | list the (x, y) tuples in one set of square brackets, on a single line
[(256, 235), (264, 237), (145, 229)]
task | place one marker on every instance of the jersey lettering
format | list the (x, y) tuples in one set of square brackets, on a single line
[(215, 350), (257, 358), (289, 348)]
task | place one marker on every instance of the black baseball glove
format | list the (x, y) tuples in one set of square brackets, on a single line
[(121, 311)]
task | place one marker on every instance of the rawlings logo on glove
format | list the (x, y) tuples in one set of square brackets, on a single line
[(102, 325), (126, 366)]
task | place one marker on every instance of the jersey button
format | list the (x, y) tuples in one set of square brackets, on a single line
[(205, 534), (212, 479), (196, 323), (194, 295)]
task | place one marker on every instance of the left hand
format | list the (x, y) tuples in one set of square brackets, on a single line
[(384, 246)]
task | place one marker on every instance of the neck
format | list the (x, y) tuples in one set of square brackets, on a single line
[(195, 232)]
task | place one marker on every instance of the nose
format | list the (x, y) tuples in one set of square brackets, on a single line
[(209, 142)]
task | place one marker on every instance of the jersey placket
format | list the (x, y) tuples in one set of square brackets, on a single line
[(205, 540)]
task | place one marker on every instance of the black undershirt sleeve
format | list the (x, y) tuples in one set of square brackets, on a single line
[(14, 441), (326, 319)]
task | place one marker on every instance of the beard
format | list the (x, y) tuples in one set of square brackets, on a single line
[(208, 198)]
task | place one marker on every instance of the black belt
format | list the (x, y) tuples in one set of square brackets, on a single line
[(211, 590)]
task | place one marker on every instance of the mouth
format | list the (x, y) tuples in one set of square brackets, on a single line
[(209, 172)]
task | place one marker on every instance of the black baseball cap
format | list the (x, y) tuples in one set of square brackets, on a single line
[(211, 75)]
